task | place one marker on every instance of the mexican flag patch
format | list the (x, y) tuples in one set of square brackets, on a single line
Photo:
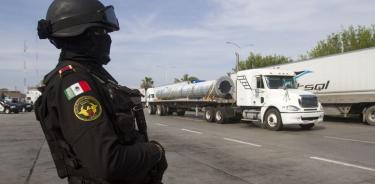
[(77, 89)]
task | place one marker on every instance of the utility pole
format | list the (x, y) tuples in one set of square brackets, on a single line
[(237, 53)]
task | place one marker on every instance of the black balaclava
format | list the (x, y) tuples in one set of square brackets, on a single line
[(93, 45)]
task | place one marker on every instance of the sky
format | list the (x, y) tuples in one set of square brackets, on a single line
[(165, 39)]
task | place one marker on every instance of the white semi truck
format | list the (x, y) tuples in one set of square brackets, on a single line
[(344, 83), (267, 96)]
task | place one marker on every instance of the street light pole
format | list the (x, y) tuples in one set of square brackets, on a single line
[(237, 53)]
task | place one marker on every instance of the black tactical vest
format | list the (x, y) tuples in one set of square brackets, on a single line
[(122, 104)]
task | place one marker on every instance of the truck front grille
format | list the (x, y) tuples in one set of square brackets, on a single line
[(308, 101)]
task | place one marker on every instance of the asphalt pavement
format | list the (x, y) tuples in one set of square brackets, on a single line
[(338, 151)]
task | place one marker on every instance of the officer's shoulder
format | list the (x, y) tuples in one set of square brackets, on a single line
[(69, 72)]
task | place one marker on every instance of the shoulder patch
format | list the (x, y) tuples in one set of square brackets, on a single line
[(66, 69), (87, 108), (77, 89)]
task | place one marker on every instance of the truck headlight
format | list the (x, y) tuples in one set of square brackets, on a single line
[(292, 108)]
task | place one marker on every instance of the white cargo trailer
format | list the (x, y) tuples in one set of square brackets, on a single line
[(344, 83), (267, 96)]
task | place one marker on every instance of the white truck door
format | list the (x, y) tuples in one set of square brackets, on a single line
[(258, 91)]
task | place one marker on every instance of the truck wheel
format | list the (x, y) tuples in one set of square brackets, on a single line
[(220, 116), (165, 110), (168, 110), (273, 120), (370, 115), (180, 113), (7, 111), (307, 126), (151, 109), (159, 110), (209, 114)]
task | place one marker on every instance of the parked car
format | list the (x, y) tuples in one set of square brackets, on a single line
[(24, 107), (8, 107)]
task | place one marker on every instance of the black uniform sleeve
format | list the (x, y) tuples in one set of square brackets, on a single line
[(87, 128)]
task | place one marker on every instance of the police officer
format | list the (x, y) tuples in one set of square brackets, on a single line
[(95, 128)]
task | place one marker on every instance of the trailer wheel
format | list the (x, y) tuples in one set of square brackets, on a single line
[(209, 114), (159, 110), (220, 116), (180, 112), (307, 126), (151, 109), (273, 120), (168, 110), (165, 110), (370, 115)]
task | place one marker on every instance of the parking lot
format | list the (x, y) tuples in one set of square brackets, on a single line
[(336, 151)]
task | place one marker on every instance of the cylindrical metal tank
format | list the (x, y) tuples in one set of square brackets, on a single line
[(221, 87)]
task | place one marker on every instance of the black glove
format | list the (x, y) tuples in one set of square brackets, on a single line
[(158, 171)]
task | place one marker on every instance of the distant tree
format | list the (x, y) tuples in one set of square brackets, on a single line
[(302, 57), (147, 82), (185, 77), (349, 39), (257, 61)]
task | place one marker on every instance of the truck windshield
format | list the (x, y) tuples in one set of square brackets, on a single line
[(281, 82)]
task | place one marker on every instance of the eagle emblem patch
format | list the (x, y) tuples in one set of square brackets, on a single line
[(87, 108)]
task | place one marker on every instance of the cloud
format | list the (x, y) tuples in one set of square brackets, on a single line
[(165, 39), (262, 15)]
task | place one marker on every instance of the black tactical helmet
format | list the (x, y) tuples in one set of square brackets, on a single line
[(69, 18)]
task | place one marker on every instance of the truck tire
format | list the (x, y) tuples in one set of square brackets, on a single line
[(307, 126), (209, 114), (273, 120), (168, 110), (180, 112), (165, 110), (151, 110), (370, 115), (220, 116), (160, 110), (7, 111)]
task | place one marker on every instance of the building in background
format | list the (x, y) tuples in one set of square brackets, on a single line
[(13, 96)]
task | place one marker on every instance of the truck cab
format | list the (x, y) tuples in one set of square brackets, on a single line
[(271, 97)]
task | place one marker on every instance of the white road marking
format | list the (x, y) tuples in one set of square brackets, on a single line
[(190, 119), (160, 124), (192, 131), (242, 142), (353, 140), (343, 163)]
